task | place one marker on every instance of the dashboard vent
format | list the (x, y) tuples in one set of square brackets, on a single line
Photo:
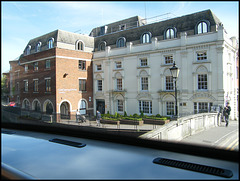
[(69, 143), (194, 167)]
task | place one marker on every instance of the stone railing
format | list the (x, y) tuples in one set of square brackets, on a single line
[(184, 127)]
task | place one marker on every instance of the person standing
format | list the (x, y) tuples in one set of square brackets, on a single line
[(98, 118), (77, 116), (226, 113)]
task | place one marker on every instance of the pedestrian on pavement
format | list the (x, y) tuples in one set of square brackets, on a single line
[(77, 116), (98, 118), (221, 113), (226, 113)]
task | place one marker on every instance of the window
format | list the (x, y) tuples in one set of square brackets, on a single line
[(201, 107), (82, 65), (99, 85), (168, 59), (47, 64), (79, 45), (122, 27), (144, 83), (118, 65), (103, 30), (201, 56), (38, 48), (102, 46), (145, 107), (121, 42), (169, 83), (26, 68), (120, 105), (170, 33), (35, 85), (35, 66), (146, 38), (202, 82), (82, 84), (25, 85), (28, 49), (99, 67), (203, 27), (143, 62), (48, 85), (170, 108), (119, 84), (50, 43)]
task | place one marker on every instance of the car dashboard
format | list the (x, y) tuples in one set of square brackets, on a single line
[(31, 154)]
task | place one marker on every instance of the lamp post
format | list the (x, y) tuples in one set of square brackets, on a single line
[(175, 71)]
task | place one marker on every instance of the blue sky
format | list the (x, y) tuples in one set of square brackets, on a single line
[(24, 20)]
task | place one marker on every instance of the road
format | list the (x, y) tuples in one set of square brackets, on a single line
[(220, 137)]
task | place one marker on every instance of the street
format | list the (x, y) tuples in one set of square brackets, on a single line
[(220, 137)]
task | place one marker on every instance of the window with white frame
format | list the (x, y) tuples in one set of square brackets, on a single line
[(28, 49), (201, 56), (82, 84), (50, 43), (102, 46), (99, 85), (79, 45), (144, 83), (120, 105), (35, 85), (170, 108), (145, 107), (99, 67), (26, 68), (121, 42), (168, 59), (81, 65), (47, 64), (118, 65), (38, 48), (119, 84), (48, 85), (170, 33), (25, 85), (169, 83), (202, 82), (35, 66), (143, 62), (146, 38), (202, 27), (201, 107)]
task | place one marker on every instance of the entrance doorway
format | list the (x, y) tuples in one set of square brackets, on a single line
[(82, 107), (65, 110), (100, 105)]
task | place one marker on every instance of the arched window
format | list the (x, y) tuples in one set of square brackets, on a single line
[(79, 45), (202, 27), (121, 42), (26, 104), (102, 46), (146, 37), (50, 43), (28, 49), (36, 106), (83, 107), (38, 48), (170, 33)]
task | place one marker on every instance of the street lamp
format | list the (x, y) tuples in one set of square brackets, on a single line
[(175, 71)]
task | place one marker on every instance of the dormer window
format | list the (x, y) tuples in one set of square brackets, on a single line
[(146, 38), (38, 49), (79, 45), (102, 46), (121, 42), (170, 33), (202, 27), (50, 43), (28, 50)]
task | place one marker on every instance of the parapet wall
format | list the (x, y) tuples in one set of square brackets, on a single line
[(184, 127)]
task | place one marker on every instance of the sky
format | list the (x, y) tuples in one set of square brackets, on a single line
[(22, 21)]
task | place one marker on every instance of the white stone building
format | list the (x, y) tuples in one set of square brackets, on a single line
[(132, 58)]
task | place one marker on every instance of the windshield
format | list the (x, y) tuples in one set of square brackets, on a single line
[(128, 68)]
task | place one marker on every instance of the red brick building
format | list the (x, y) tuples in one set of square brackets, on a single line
[(54, 74)]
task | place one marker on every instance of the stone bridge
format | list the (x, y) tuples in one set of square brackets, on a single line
[(184, 127)]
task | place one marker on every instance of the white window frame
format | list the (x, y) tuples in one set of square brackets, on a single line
[(35, 86), (170, 108), (25, 85), (201, 56), (118, 65), (169, 83), (144, 62), (48, 85), (202, 82), (119, 86), (99, 85), (82, 86), (35, 66), (168, 59), (98, 67), (145, 106), (120, 106)]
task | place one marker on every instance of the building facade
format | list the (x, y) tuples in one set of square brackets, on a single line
[(131, 66), (54, 74), (124, 66)]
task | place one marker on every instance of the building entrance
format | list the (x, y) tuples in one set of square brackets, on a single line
[(100, 105)]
